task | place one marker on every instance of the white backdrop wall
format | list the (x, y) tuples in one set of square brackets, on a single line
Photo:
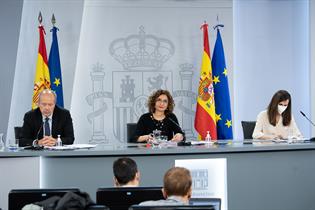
[(271, 52), (129, 49), (69, 22), (10, 17), (312, 59)]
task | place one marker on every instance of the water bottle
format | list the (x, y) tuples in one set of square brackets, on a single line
[(1, 141), (208, 137), (59, 142)]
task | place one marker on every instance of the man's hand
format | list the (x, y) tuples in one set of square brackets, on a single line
[(47, 141)]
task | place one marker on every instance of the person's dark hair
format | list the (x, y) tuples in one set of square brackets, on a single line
[(177, 181), (125, 170), (154, 96), (281, 95)]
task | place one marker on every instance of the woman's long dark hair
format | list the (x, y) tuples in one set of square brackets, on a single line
[(154, 97), (272, 111)]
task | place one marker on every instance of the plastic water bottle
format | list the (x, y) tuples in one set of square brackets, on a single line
[(2, 145), (208, 137), (59, 142)]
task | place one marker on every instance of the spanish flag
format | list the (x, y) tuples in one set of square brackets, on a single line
[(205, 119), (42, 78)]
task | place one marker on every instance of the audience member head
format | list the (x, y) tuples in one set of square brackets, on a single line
[(126, 172), (177, 182), (46, 102), (280, 104), (161, 100)]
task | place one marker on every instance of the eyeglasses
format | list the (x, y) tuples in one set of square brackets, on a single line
[(162, 101)]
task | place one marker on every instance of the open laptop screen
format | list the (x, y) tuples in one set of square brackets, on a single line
[(21, 197), (122, 198)]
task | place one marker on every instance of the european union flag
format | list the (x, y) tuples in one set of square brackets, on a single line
[(221, 91), (54, 68)]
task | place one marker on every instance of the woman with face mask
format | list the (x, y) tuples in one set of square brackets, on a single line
[(277, 122)]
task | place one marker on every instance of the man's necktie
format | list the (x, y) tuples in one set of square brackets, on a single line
[(47, 127)]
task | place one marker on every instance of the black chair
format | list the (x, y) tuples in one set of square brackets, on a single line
[(248, 129), (131, 129), (18, 132)]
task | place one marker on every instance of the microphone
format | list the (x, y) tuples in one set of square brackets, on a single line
[(36, 146), (40, 128), (310, 121), (181, 143), (307, 118)]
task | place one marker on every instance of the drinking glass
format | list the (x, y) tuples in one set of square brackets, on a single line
[(14, 144), (163, 138), (156, 135)]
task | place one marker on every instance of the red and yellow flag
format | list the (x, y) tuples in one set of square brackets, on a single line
[(42, 78), (205, 110)]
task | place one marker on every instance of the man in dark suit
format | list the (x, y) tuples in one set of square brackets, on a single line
[(43, 125)]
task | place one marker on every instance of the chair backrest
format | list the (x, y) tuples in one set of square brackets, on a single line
[(131, 129), (121, 198), (21, 197), (17, 132), (248, 128)]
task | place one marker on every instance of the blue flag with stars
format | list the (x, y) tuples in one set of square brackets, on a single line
[(55, 68), (221, 91)]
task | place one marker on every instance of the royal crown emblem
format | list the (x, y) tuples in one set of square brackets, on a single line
[(142, 52)]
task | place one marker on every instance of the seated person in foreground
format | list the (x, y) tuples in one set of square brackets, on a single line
[(126, 173), (160, 117), (43, 125), (177, 188), (277, 122)]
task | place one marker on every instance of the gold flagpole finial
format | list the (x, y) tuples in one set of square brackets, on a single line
[(40, 18), (53, 19)]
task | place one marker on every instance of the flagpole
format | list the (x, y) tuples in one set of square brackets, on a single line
[(53, 20), (40, 18), (218, 25)]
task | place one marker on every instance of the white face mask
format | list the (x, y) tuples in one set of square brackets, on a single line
[(281, 108)]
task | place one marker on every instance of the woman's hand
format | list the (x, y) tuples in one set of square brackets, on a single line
[(178, 137), (144, 138)]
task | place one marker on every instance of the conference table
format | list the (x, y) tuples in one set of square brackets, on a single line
[(262, 175)]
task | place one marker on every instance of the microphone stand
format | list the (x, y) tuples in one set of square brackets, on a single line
[(183, 142), (310, 121)]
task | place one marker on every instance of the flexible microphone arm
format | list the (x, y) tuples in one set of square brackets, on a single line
[(307, 118), (311, 139), (40, 128), (175, 123)]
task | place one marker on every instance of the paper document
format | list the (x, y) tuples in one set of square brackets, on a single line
[(71, 147), (201, 142)]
